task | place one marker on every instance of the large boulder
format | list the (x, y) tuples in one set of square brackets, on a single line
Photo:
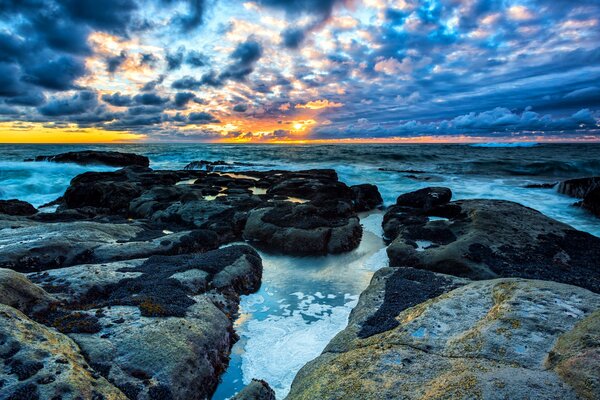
[(16, 207), (579, 187), (591, 201), (40, 363), (485, 239), (304, 229), (496, 339), (366, 197), (109, 158), (156, 328), (19, 292), (425, 198), (256, 390), (28, 246), (587, 189)]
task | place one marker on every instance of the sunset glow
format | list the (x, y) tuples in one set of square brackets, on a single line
[(299, 71)]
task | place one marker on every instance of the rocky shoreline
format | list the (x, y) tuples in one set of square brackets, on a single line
[(130, 289)]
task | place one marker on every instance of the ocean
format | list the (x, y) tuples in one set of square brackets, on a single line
[(305, 301)]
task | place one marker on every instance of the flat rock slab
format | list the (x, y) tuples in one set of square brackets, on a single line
[(156, 328), (109, 158), (40, 363), (485, 239), (27, 245), (496, 339)]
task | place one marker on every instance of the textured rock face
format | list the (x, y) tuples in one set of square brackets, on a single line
[(484, 239), (40, 363), (110, 158), (425, 198), (312, 206), (256, 390), (20, 293), (488, 339), (156, 328), (587, 189), (16, 207), (579, 187), (28, 246), (303, 229)]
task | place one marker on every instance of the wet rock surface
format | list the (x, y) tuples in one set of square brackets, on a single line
[(256, 390), (109, 158), (485, 239), (161, 325), (41, 363), (488, 339), (129, 270), (16, 207), (587, 189)]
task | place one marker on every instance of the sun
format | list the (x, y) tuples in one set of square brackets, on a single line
[(298, 126)]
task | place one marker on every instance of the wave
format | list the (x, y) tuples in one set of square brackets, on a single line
[(510, 144)]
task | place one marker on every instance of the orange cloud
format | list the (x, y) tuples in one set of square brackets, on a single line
[(319, 104)]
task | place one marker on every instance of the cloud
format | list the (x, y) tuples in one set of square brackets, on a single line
[(114, 62), (200, 118), (319, 104), (245, 55), (79, 103), (241, 108), (292, 38), (183, 98), (150, 99), (117, 99), (59, 73)]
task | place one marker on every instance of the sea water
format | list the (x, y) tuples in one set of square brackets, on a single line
[(305, 301)]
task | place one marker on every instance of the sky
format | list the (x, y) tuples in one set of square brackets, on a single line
[(295, 71)]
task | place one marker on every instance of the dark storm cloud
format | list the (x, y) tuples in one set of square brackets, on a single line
[(196, 59), (56, 73), (107, 15), (150, 99), (117, 99), (77, 104), (174, 60), (202, 118), (113, 63), (245, 56), (322, 8), (292, 38), (31, 98), (187, 82), (240, 108), (183, 98)]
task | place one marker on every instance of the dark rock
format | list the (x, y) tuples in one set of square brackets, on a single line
[(366, 197), (109, 158), (16, 207), (541, 185), (579, 187), (166, 320), (305, 229), (591, 201), (485, 239), (425, 198), (256, 390), (204, 165)]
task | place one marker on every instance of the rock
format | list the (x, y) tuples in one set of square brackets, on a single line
[(579, 187), (488, 339), (484, 239), (304, 229), (40, 363), (209, 166), (591, 201), (541, 185), (160, 327), (425, 198), (16, 207), (28, 246), (18, 292), (109, 158), (366, 197), (256, 390)]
